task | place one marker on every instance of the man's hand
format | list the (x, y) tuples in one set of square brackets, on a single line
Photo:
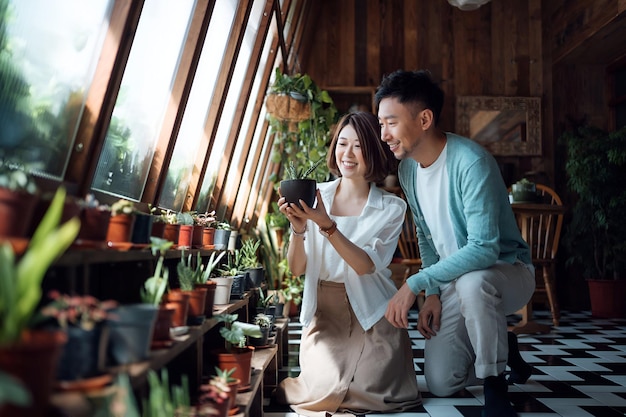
[(398, 307), (429, 318)]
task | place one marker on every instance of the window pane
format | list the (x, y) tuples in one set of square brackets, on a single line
[(134, 129), (226, 121), (192, 127), (48, 51)]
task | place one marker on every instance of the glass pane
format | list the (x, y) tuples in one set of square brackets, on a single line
[(134, 129), (232, 98), (48, 52), (192, 127), (250, 164)]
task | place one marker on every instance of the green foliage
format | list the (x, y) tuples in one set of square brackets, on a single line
[(165, 400), (274, 256), (596, 235), (308, 139), (210, 266), (293, 173), (20, 283), (293, 286), (276, 219), (233, 264), (248, 253), (154, 288), (185, 218), (188, 275), (12, 391)]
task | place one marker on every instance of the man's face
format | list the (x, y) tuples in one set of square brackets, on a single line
[(399, 129)]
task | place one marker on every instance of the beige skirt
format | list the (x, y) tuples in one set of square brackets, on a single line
[(347, 370)]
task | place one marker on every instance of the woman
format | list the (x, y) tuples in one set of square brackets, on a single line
[(351, 358)]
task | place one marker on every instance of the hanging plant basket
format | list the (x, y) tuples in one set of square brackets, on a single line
[(287, 108)]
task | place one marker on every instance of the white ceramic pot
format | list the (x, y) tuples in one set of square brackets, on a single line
[(222, 291)]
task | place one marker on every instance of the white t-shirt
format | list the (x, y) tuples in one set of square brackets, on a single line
[(432, 191)]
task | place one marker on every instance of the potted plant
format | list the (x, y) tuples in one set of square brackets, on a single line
[(293, 286), (233, 269), (595, 235), (206, 221), (18, 198), (236, 353), (222, 235), (153, 293), (142, 228), (524, 191), (132, 331), (305, 137), (188, 276), (265, 324), (94, 220), (250, 262), (26, 354), (299, 185), (121, 222), (165, 225), (204, 280), (221, 391), (82, 318), (185, 232)]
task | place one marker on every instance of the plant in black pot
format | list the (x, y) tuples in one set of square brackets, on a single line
[(299, 185), (595, 238)]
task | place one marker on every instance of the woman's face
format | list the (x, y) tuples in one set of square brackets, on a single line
[(348, 155)]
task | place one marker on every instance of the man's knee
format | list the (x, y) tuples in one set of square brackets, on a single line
[(444, 385)]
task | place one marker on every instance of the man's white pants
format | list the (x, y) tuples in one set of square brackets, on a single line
[(472, 343)]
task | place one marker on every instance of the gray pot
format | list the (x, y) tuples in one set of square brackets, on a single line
[(131, 329)]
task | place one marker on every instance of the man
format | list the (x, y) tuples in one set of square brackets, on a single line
[(476, 268)]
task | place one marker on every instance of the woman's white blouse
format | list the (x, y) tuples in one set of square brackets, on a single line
[(375, 231)]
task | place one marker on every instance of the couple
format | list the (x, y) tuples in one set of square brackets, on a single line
[(355, 353)]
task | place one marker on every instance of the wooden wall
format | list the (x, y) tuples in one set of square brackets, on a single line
[(558, 50), (495, 50)]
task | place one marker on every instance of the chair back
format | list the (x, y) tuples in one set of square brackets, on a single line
[(407, 243), (543, 230)]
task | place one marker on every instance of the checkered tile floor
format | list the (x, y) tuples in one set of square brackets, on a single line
[(579, 371)]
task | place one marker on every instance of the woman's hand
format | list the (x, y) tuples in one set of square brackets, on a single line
[(298, 216)]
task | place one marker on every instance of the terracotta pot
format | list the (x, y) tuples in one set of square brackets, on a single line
[(184, 236), (163, 323), (607, 298), (210, 286), (208, 235), (70, 209), (179, 301), (16, 212), (197, 300), (238, 358), (158, 229), (196, 236), (120, 228), (94, 224), (171, 232), (33, 360)]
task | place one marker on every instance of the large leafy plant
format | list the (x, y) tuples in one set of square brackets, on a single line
[(596, 236), (20, 283), (234, 332), (304, 142)]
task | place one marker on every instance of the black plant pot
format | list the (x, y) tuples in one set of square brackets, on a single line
[(239, 287), (296, 190), (254, 277), (142, 228)]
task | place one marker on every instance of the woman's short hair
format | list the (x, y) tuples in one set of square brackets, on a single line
[(377, 155)]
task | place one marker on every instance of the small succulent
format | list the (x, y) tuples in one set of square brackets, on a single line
[(294, 173)]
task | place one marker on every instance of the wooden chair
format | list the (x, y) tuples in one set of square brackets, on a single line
[(542, 231), (409, 249)]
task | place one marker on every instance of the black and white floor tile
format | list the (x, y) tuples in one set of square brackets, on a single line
[(579, 371)]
